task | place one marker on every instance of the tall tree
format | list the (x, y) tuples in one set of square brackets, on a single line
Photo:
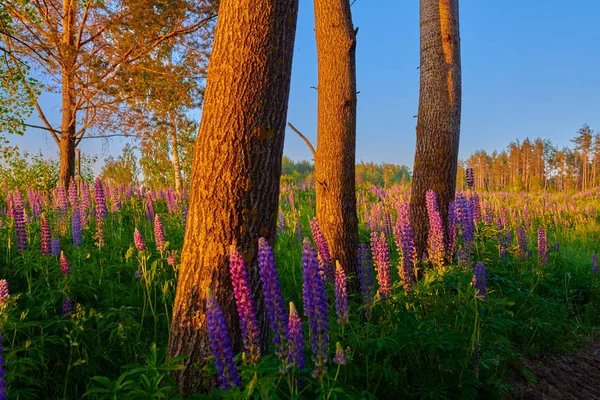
[(336, 138), (237, 166), (583, 142), (89, 50), (438, 124)]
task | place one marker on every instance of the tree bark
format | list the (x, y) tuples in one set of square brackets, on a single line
[(336, 140), (235, 176), (438, 125), (175, 152)]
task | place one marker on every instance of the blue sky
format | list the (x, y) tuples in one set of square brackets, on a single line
[(529, 68)]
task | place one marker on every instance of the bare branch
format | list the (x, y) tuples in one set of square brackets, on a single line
[(308, 143)]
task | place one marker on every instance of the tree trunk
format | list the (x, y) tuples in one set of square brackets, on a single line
[(336, 141), (235, 176), (438, 125), (175, 152)]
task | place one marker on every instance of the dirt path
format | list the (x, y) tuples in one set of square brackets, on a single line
[(575, 376)]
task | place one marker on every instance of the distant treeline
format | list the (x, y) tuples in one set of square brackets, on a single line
[(383, 175), (538, 165)]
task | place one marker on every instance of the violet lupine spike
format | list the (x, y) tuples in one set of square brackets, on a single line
[(220, 344), (67, 306), (20, 225), (2, 372), (435, 242), (465, 218), (273, 296), (55, 246), (159, 234), (76, 226), (65, 269), (45, 236), (480, 281), (341, 294), (149, 207), (63, 204), (245, 305), (594, 264), (138, 240), (522, 241), (171, 260), (340, 357), (470, 177), (298, 230), (407, 272), (292, 203), (314, 296), (501, 238), (381, 259), (365, 275), (295, 341), (101, 211), (476, 207), (281, 222), (3, 290), (325, 265), (72, 193), (184, 213), (542, 247), (452, 230)]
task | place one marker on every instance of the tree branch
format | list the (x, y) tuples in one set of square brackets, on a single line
[(308, 143)]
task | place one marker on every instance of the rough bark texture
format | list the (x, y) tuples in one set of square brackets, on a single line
[(438, 126), (336, 139), (175, 152), (237, 165), (69, 121)]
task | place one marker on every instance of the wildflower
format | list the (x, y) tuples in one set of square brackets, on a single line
[(365, 275), (470, 177), (594, 264), (138, 274), (159, 234), (325, 267), (409, 254), (171, 260), (315, 308), (281, 226), (340, 357), (76, 227), (55, 246), (149, 208), (341, 294), (298, 230), (480, 281), (436, 232), (101, 211), (452, 230), (2, 372), (67, 306), (184, 213), (245, 305), (542, 247), (295, 340), (138, 240), (476, 207), (380, 251), (522, 241), (273, 296), (19, 218), (220, 344), (3, 290), (65, 269), (45, 235)]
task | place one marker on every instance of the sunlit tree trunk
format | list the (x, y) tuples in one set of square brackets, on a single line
[(175, 152), (336, 141), (438, 125), (237, 165)]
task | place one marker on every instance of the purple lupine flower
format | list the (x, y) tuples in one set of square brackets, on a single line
[(76, 226), (85, 204), (379, 248), (594, 264), (407, 272), (341, 294), (159, 234), (501, 238), (325, 266), (45, 235), (2, 372), (245, 305), (470, 177), (542, 247), (480, 281), (138, 274), (101, 211), (340, 357), (476, 207), (315, 308), (295, 341), (55, 246), (299, 230), (464, 210), (67, 306), (10, 210), (19, 217), (138, 240), (149, 207), (220, 344), (273, 296), (63, 204), (184, 213), (452, 230), (115, 199), (435, 242), (65, 269), (72, 193), (3, 290), (365, 275), (509, 236), (522, 241), (292, 203), (171, 260), (281, 222)]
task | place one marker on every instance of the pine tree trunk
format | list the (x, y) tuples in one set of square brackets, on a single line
[(175, 152), (235, 176), (336, 149), (438, 125)]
